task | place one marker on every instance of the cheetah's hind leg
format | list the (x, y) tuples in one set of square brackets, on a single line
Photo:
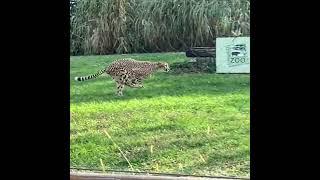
[(120, 88)]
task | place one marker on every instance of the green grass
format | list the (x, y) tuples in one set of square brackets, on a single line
[(190, 123)]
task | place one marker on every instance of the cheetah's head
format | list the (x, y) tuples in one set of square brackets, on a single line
[(164, 66)]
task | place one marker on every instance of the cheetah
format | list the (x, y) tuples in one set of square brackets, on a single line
[(128, 72)]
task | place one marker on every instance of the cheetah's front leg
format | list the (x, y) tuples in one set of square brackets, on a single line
[(135, 83), (131, 81)]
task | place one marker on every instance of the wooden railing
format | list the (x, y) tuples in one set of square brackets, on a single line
[(201, 52)]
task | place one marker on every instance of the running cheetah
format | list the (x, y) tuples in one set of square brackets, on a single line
[(129, 72)]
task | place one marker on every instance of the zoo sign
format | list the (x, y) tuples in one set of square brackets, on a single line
[(233, 55)]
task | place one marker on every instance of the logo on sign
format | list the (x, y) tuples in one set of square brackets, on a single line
[(237, 54)]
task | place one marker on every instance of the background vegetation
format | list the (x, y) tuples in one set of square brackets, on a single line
[(131, 26)]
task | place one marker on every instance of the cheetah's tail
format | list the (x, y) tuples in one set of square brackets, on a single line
[(84, 78)]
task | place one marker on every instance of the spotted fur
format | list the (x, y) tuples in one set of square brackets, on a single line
[(128, 72)]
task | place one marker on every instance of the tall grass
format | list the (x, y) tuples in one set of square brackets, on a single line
[(130, 26)]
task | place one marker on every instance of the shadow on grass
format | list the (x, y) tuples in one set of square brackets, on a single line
[(140, 154), (170, 86), (155, 129), (168, 144), (217, 161)]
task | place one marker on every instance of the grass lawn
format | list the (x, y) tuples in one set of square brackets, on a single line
[(190, 123)]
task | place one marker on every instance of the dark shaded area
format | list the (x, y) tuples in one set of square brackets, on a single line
[(203, 62), (200, 66)]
